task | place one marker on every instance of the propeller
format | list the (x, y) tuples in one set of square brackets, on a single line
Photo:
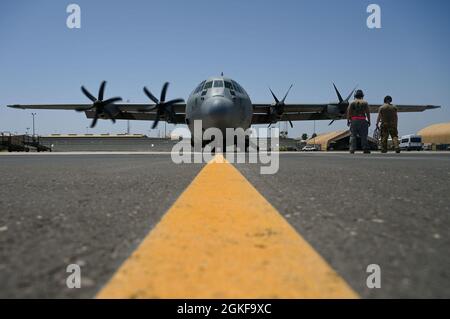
[(101, 106), (278, 106), (162, 107), (342, 101), (343, 104)]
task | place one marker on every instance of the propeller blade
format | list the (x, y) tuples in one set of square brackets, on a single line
[(101, 91), (338, 94), (174, 101), (331, 122), (94, 121), (150, 95), (155, 123), (163, 92), (88, 94), (162, 107), (274, 96), (292, 125), (112, 100), (282, 101), (351, 93), (99, 105)]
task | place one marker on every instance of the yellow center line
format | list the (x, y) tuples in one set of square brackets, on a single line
[(222, 239)]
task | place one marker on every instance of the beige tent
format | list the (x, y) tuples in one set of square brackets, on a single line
[(337, 140), (436, 134)]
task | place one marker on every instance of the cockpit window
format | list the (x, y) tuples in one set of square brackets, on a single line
[(208, 85), (237, 87), (218, 84), (199, 87), (228, 85), (241, 88)]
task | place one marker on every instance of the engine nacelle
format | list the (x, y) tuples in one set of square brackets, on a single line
[(336, 111), (113, 109)]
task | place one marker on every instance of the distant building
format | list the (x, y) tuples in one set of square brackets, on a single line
[(103, 135), (107, 142)]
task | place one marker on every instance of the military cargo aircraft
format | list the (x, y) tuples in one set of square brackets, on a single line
[(218, 102)]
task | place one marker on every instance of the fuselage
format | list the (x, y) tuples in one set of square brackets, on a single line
[(221, 103)]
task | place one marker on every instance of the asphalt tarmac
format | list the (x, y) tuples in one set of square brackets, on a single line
[(91, 210), (390, 210)]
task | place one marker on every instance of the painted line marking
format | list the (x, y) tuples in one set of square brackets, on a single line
[(223, 239)]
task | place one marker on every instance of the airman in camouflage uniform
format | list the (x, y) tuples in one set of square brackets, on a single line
[(387, 115), (358, 118)]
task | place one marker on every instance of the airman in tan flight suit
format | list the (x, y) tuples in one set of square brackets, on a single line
[(387, 115)]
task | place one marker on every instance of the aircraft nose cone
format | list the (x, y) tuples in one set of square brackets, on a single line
[(220, 112), (219, 106)]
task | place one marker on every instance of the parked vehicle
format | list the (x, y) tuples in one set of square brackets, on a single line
[(411, 142), (309, 148)]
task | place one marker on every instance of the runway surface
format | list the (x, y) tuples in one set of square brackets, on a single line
[(343, 213)]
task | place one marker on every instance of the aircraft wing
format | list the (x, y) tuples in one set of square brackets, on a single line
[(127, 111), (123, 107), (291, 108), (405, 108), (307, 112), (49, 106), (292, 112)]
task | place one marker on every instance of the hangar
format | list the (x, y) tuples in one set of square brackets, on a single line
[(337, 141), (107, 142), (437, 135)]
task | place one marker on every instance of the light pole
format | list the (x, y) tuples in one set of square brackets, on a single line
[(128, 123), (33, 114)]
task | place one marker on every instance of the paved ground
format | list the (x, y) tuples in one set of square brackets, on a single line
[(87, 209), (391, 210), (94, 209)]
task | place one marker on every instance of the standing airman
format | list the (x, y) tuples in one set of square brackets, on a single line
[(387, 115), (358, 118)]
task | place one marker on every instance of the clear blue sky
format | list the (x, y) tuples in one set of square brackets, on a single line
[(258, 43)]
